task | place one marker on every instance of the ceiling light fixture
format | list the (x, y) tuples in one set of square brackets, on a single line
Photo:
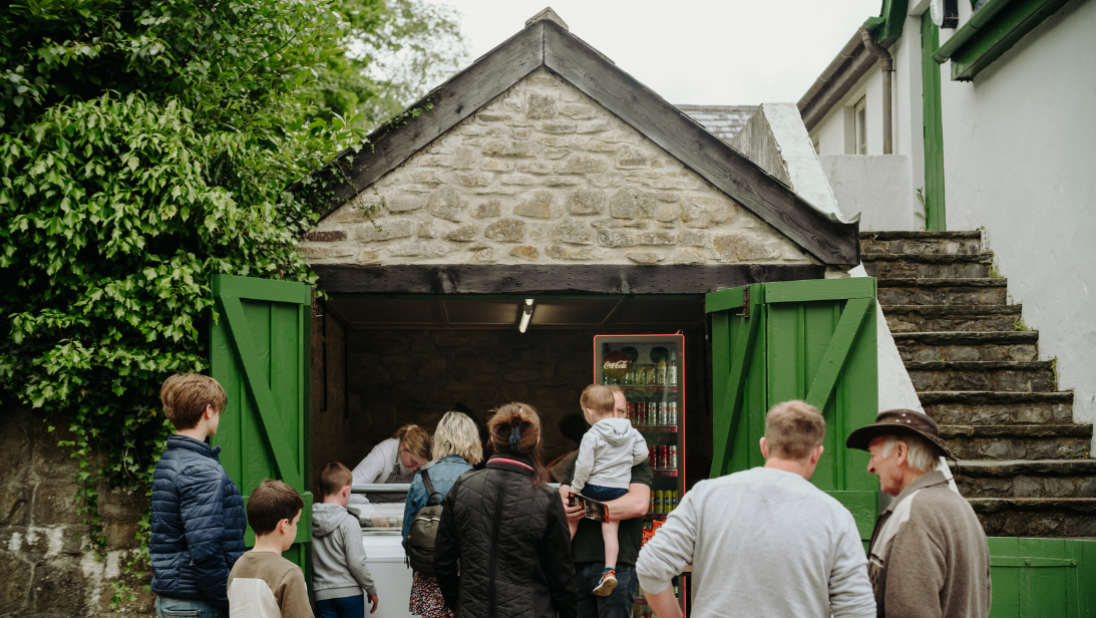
[(526, 315)]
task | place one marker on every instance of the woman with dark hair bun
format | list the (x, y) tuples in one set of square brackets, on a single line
[(507, 530)]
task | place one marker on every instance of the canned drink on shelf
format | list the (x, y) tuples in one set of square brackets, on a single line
[(651, 508), (673, 457), (665, 457), (660, 502)]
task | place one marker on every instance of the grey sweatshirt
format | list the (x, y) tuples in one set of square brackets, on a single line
[(338, 557), (762, 542), (607, 453)]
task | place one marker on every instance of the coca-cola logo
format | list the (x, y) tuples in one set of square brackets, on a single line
[(616, 365)]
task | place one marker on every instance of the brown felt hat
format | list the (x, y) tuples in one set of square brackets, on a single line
[(897, 422)]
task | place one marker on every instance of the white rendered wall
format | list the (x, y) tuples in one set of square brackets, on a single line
[(1020, 160), (883, 191), (876, 186), (829, 134)]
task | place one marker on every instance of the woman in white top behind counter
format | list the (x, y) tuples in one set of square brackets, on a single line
[(393, 460)]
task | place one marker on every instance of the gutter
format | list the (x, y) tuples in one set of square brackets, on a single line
[(843, 73), (888, 72), (991, 32), (969, 30)]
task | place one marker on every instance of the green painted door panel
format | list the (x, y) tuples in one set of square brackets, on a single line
[(738, 389), (259, 352), (815, 341), (1042, 578)]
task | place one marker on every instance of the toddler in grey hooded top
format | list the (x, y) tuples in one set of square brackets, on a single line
[(339, 574), (603, 467)]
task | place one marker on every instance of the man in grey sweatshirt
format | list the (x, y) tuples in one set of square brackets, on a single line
[(763, 542)]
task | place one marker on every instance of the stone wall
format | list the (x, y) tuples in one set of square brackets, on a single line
[(543, 174), (415, 376), (44, 570)]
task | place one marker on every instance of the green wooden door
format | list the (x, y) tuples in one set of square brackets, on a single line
[(810, 340), (1036, 578), (259, 353)]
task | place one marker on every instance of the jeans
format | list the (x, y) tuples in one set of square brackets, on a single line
[(603, 494), (184, 608), (616, 605), (342, 607)]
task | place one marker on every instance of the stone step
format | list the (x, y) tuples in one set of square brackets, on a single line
[(950, 318), (1002, 442), (943, 291), (938, 243), (968, 346), (1026, 478), (926, 266), (1011, 376), (1037, 517), (997, 408)]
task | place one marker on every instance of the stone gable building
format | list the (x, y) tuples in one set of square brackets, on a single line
[(544, 174), (544, 153)]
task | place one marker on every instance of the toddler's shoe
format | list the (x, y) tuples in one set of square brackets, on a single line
[(607, 583)]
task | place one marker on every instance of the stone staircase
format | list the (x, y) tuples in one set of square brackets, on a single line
[(1023, 463)]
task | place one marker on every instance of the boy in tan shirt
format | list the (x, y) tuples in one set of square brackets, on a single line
[(263, 584)]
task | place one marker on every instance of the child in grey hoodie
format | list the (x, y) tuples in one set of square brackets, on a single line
[(603, 467), (339, 573)]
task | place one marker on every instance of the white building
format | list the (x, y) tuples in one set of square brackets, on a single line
[(991, 129)]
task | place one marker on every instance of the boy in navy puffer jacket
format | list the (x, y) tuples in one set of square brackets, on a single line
[(198, 517)]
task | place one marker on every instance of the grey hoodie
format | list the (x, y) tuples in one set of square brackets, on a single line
[(607, 454), (338, 557)]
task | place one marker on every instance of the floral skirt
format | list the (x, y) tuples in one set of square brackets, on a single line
[(426, 599)]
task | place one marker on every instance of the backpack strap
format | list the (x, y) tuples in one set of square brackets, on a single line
[(430, 493)]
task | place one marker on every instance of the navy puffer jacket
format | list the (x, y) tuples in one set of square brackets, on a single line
[(198, 524)]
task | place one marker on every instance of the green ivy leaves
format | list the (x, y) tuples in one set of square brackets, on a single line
[(145, 146)]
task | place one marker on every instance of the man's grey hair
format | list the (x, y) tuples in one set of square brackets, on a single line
[(923, 454)]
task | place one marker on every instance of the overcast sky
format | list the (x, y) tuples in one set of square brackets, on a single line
[(714, 52)]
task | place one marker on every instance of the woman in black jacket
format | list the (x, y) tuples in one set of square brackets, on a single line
[(508, 531)]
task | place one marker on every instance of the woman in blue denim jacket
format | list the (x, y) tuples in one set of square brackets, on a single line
[(456, 449)]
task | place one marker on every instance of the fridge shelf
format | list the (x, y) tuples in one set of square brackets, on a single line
[(665, 472), (648, 388), (656, 428)]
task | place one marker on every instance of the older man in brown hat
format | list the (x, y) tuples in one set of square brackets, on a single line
[(928, 553)]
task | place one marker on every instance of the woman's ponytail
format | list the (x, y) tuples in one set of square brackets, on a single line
[(515, 428)]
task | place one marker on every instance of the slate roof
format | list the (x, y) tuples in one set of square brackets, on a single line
[(722, 121)]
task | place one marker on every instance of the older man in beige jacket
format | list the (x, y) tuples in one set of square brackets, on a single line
[(928, 553)]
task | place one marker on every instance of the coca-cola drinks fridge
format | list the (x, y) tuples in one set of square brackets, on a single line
[(650, 370)]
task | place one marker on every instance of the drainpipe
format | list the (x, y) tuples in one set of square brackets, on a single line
[(888, 71)]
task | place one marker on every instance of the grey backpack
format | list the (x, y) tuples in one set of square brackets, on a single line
[(424, 529)]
